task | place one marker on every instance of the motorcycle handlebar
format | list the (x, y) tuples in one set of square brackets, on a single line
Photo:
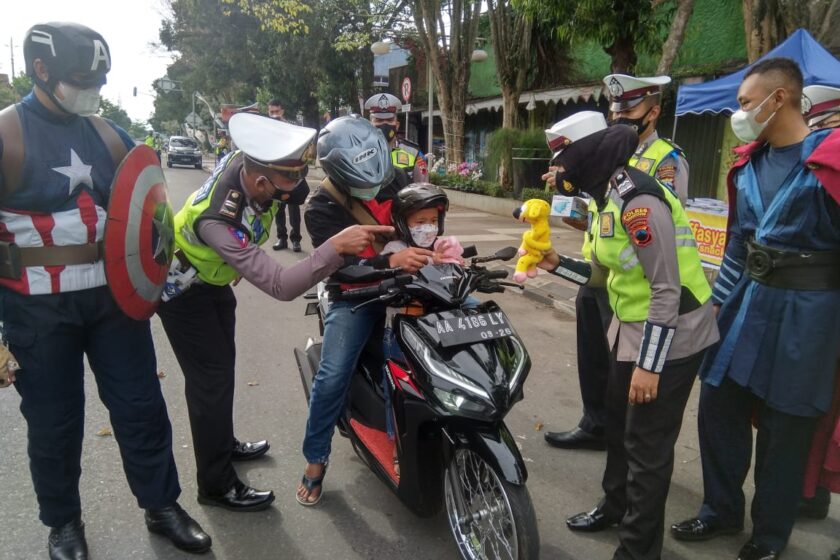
[(496, 274), (376, 291)]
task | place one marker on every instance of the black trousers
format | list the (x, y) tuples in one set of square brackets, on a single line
[(592, 307), (50, 335), (294, 222), (781, 453), (640, 455), (200, 325)]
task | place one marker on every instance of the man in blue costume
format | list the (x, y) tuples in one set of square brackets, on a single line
[(58, 163), (778, 294)]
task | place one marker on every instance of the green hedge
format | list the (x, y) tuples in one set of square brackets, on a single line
[(536, 193)]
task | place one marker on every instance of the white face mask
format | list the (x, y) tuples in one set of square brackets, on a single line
[(744, 125), (424, 235), (82, 102)]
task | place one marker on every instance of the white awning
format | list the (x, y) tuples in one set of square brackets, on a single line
[(531, 98)]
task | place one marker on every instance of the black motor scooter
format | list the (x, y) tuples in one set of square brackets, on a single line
[(464, 368)]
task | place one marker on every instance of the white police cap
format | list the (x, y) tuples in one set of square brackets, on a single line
[(271, 142), (383, 106), (628, 91), (571, 129), (819, 102)]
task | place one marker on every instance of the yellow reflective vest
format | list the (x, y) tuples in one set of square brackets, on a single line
[(628, 288), (229, 206)]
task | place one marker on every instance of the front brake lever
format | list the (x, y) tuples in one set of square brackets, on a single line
[(512, 285), (383, 297)]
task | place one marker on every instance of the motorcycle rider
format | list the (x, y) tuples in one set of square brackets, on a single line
[(356, 159), (218, 234), (58, 163)]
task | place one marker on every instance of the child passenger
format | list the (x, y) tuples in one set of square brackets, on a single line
[(418, 213)]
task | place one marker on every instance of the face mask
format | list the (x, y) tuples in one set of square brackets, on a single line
[(389, 130), (82, 102), (744, 125), (424, 235), (636, 124), (364, 194)]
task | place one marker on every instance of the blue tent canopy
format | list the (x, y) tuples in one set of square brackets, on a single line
[(817, 64)]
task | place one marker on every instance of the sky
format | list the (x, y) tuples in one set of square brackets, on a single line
[(130, 28)]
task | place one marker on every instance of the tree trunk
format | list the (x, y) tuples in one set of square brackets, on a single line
[(763, 27), (511, 34), (448, 43), (675, 37), (510, 107), (623, 55)]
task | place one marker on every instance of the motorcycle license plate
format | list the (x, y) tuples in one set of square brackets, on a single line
[(469, 329)]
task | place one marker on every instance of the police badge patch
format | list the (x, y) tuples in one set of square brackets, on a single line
[(644, 164), (231, 204), (615, 87), (607, 224)]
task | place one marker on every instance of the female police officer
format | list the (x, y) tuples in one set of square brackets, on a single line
[(644, 249)]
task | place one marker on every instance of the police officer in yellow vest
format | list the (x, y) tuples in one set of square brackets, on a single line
[(218, 234), (644, 251), (405, 155), (635, 102)]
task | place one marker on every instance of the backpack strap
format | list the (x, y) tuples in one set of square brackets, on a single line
[(359, 212), (11, 135), (112, 140)]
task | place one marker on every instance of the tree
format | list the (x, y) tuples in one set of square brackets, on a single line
[(621, 28), (115, 113), (672, 44), (7, 96), (768, 22), (449, 54), (511, 33)]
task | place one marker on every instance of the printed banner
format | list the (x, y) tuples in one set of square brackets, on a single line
[(710, 233)]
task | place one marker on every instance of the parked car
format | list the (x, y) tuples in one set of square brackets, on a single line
[(183, 151)]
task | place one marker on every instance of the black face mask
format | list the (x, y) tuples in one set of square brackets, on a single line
[(590, 162), (637, 124), (388, 130)]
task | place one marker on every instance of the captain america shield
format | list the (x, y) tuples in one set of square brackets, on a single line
[(139, 234)]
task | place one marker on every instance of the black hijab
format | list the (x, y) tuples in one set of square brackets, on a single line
[(590, 162)]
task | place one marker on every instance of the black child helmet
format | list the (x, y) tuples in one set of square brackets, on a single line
[(414, 197)]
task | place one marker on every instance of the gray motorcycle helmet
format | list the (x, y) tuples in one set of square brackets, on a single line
[(355, 154)]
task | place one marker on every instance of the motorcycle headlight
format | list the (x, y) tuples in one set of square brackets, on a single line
[(454, 402), (519, 367), (437, 368)]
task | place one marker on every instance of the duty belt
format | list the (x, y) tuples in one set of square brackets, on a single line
[(793, 270), (13, 259)]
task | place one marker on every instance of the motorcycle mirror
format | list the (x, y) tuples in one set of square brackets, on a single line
[(506, 254), (469, 252)]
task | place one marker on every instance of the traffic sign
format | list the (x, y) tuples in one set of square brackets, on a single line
[(406, 89)]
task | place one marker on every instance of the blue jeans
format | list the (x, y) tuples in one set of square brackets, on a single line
[(345, 336)]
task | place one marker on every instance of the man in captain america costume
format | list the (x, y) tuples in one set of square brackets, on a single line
[(58, 164)]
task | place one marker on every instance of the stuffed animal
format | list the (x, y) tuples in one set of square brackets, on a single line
[(448, 250), (536, 241)]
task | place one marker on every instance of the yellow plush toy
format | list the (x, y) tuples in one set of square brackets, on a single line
[(536, 241)]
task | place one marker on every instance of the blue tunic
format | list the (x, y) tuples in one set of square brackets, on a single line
[(782, 344)]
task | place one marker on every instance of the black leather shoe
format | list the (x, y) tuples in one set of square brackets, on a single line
[(816, 507), (576, 439), (695, 529), (296, 246), (176, 525), (239, 498), (280, 245), (836, 555), (590, 522), (248, 450), (752, 551), (68, 541)]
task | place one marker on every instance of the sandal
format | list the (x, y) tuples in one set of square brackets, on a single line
[(311, 484)]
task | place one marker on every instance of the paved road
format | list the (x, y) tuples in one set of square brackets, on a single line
[(359, 518)]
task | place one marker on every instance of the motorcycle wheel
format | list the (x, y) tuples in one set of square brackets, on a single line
[(500, 520)]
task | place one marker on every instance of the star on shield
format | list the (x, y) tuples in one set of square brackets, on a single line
[(77, 172), (615, 87), (162, 222)]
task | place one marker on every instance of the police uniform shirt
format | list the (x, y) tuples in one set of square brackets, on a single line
[(696, 329), (673, 171)]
